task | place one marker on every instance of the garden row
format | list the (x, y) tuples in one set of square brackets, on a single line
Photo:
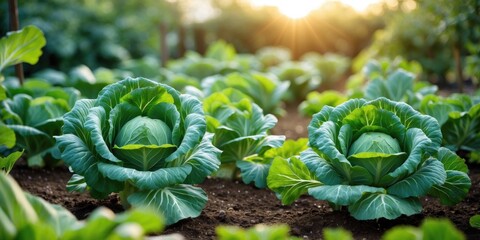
[(376, 149)]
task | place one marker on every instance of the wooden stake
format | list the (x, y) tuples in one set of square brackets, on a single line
[(14, 26)]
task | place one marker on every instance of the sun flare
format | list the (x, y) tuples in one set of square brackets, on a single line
[(297, 9)]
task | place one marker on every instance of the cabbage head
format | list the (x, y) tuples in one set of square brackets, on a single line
[(144, 140), (377, 157)]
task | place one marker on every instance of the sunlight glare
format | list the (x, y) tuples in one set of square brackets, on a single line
[(296, 9)]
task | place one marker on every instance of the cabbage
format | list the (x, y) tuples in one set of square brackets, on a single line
[(144, 140), (377, 157)]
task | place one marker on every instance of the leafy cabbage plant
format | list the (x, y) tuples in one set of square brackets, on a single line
[(144, 140), (302, 78), (317, 100), (35, 114), (377, 157), (459, 118), (242, 133), (265, 90)]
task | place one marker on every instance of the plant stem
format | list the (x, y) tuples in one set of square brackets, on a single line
[(14, 26), (127, 191)]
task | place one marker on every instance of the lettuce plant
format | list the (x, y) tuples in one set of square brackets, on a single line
[(242, 133), (377, 157), (25, 216), (144, 140)]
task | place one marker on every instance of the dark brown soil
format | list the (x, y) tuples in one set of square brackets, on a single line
[(234, 203)]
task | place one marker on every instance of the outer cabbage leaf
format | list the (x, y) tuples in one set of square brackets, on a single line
[(456, 186), (290, 179), (381, 205), (175, 202)]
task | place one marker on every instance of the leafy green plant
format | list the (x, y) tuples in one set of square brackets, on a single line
[(459, 118), (241, 132), (302, 77), (144, 140), (430, 229), (256, 232), (377, 157), (475, 221), (337, 234), (317, 100), (398, 86), (25, 216), (273, 56), (36, 120), (330, 66), (20, 46), (265, 90)]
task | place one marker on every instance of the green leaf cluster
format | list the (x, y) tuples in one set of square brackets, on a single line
[(430, 229), (144, 140), (21, 46), (35, 113), (376, 157), (302, 77), (257, 232), (265, 90), (459, 118), (17, 47), (25, 216), (317, 100), (242, 133)]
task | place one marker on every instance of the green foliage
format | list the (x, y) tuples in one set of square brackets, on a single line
[(336, 234), (459, 118), (302, 78), (21, 46), (242, 133), (392, 79), (431, 229), (317, 100), (430, 34), (25, 216), (330, 66), (110, 141), (265, 90), (36, 118), (475, 221), (257, 232), (377, 157), (273, 56)]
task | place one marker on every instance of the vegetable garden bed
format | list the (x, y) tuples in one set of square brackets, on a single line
[(235, 203)]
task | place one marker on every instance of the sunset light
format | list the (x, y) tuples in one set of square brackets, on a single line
[(296, 9)]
